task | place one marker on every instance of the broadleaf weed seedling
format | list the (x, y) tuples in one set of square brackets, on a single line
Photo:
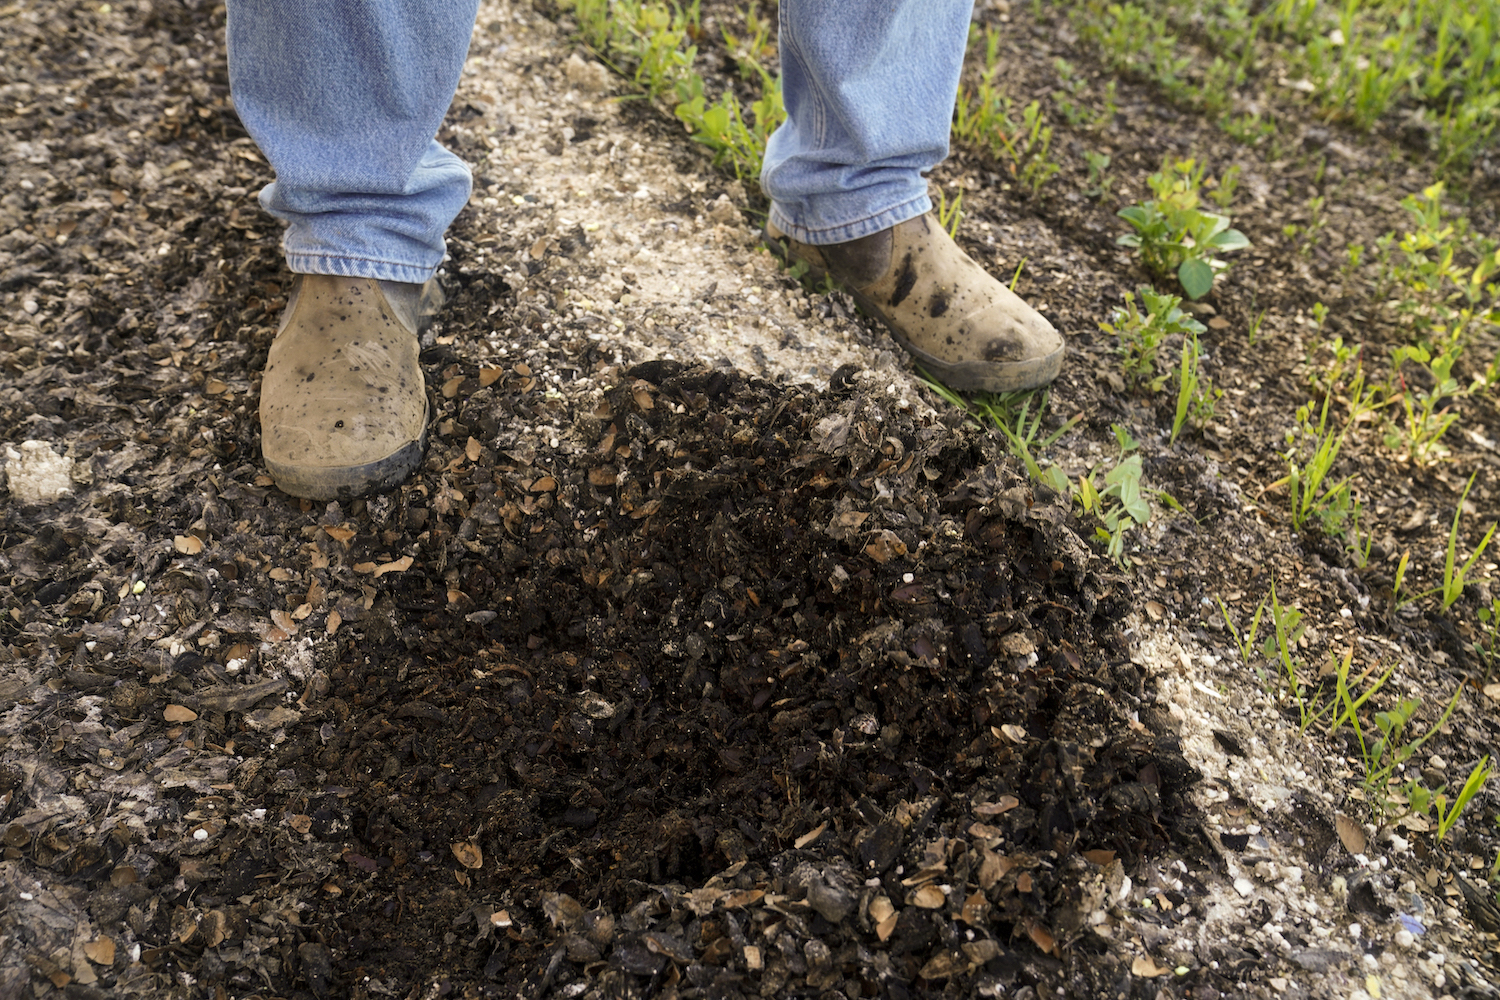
[(1390, 751), (1100, 180), (1140, 335), (1121, 504), (1173, 235), (1427, 417)]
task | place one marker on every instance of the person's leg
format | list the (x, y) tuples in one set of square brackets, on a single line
[(345, 97), (869, 87)]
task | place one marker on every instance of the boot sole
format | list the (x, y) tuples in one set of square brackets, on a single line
[(970, 376), (346, 483)]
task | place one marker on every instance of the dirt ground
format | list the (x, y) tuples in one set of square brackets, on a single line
[(709, 654)]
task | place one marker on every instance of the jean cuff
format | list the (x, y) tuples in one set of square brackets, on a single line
[(358, 267), (868, 226)]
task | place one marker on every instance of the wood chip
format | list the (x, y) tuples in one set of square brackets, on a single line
[(743, 897), (468, 854), (450, 387), (473, 450), (101, 951), (178, 713), (1003, 804), (1041, 937), (975, 909), (334, 621), (340, 534), (1351, 834), (885, 927), (398, 566), (929, 897), (489, 376), (1145, 966), (1101, 858), (811, 836)]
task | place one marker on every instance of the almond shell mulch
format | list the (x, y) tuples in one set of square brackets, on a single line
[(769, 692)]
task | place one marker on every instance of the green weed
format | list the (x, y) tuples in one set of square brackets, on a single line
[(1140, 335), (1306, 481), (1427, 417), (1121, 504), (1196, 395), (983, 116), (1012, 415), (950, 214), (1173, 235), (1100, 180)]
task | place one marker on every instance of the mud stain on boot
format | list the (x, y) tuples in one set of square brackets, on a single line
[(906, 279), (938, 304)]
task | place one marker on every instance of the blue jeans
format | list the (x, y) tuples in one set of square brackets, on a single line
[(344, 98)]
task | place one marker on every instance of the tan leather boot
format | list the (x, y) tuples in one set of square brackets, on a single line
[(965, 327), (343, 407)]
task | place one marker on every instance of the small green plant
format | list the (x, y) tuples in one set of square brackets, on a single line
[(1224, 191), (1454, 575), (983, 116), (1011, 414), (1174, 236), (1426, 416), (1068, 99), (1245, 642), (1141, 334), (1121, 504), (1448, 815), (1288, 631), (1100, 180), (1247, 129), (1487, 645), (950, 214), (1305, 481), (1390, 751), (1196, 395)]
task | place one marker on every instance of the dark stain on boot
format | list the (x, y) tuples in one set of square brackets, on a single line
[(906, 279), (1004, 349), (938, 304)]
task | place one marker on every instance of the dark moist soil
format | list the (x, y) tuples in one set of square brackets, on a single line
[(676, 707)]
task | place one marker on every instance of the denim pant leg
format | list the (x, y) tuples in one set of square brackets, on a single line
[(344, 98), (869, 87)]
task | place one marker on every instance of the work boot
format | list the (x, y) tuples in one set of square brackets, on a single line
[(964, 327), (343, 408)]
